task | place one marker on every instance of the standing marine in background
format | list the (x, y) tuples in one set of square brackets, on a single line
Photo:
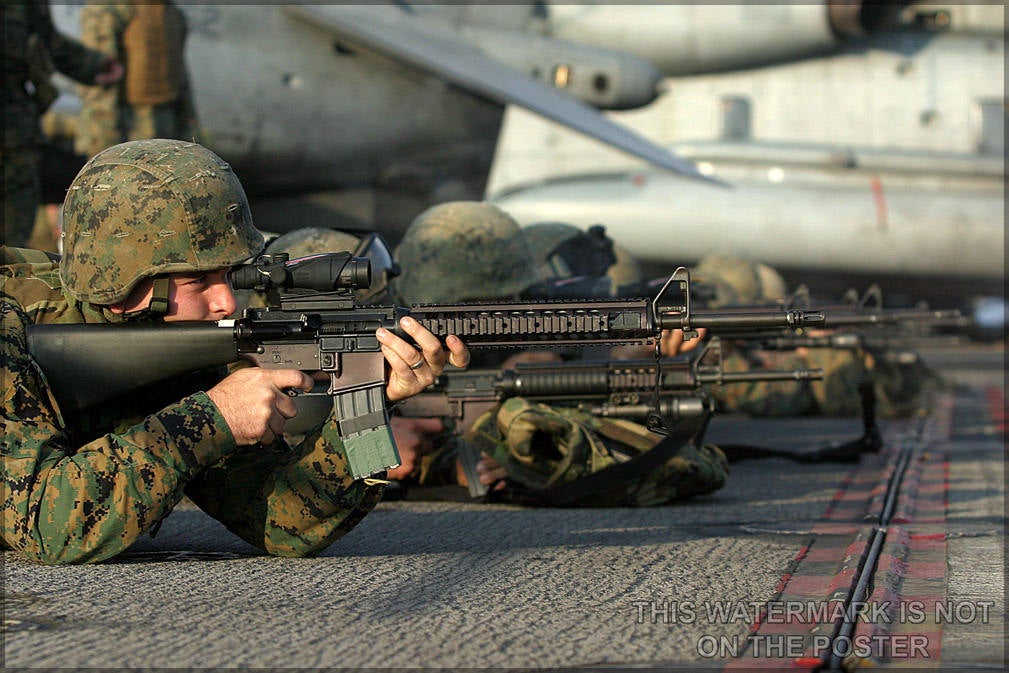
[(153, 100), (33, 49)]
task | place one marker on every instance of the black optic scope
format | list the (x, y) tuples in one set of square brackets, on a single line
[(323, 273)]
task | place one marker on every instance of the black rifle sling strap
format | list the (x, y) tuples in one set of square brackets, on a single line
[(846, 452), (613, 477)]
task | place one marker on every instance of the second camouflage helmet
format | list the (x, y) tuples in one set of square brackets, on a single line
[(313, 240), (151, 207), (463, 250)]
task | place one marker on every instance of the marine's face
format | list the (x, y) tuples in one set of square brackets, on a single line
[(197, 295), (201, 296)]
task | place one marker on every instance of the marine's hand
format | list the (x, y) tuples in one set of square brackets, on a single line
[(489, 471), (672, 342), (412, 371), (112, 71), (254, 404), (413, 438)]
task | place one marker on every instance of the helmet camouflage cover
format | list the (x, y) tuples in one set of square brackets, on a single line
[(150, 207), (734, 280), (772, 284), (463, 250), (313, 240)]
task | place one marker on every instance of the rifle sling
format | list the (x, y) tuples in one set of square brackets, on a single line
[(846, 452), (571, 492)]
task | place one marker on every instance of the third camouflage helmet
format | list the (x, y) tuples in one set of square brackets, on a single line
[(150, 207), (734, 279), (313, 240)]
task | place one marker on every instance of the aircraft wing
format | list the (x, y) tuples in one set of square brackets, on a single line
[(434, 48)]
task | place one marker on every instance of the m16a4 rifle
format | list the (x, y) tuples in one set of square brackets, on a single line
[(312, 323)]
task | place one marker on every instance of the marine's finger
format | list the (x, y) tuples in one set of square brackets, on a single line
[(490, 471), (459, 355), (431, 346), (401, 355), (290, 378)]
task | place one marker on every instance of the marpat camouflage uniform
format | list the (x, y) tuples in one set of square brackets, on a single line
[(764, 398), (77, 494), (83, 487), (153, 100), (544, 446), (22, 109)]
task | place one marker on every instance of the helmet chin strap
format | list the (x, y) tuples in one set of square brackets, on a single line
[(157, 307)]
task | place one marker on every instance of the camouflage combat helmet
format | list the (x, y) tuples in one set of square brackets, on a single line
[(151, 207), (370, 245), (543, 239), (463, 250), (735, 280), (773, 287), (313, 240)]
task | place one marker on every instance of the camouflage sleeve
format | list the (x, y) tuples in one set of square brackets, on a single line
[(98, 126), (69, 56), (64, 503), (288, 502)]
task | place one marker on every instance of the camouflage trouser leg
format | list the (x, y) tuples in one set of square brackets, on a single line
[(22, 192)]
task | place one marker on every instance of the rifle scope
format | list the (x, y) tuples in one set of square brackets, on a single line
[(322, 273)]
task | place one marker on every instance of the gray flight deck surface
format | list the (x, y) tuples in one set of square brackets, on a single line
[(701, 584)]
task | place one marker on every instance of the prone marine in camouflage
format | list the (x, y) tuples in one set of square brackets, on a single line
[(736, 282), (469, 250), (897, 386), (84, 488), (542, 446), (32, 48)]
